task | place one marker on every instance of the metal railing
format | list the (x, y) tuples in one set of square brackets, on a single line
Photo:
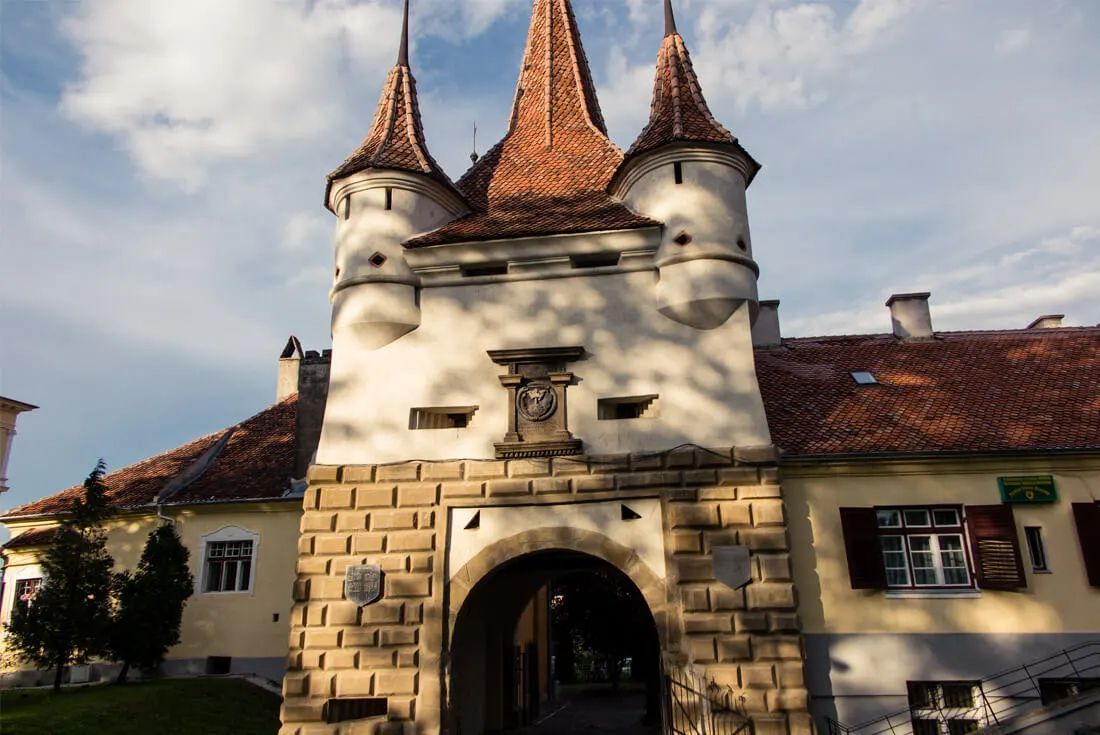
[(996, 699), (692, 706)]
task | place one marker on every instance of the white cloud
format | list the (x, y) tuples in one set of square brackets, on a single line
[(1013, 40)]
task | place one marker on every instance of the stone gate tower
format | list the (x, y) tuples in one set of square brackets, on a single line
[(552, 360)]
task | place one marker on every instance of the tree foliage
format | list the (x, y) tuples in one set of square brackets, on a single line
[(150, 602), (69, 619)]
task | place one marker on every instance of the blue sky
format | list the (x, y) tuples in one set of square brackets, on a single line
[(163, 168)]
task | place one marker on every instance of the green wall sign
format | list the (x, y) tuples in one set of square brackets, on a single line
[(1032, 489)]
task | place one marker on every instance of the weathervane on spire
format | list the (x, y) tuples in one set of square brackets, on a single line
[(473, 153), (670, 20)]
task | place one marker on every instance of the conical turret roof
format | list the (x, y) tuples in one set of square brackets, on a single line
[(549, 174), (396, 137), (678, 112)]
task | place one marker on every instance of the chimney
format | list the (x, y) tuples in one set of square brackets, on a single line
[(912, 322), (289, 361), (765, 331), (312, 397), (1047, 321)]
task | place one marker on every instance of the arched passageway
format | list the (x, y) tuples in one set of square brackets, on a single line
[(554, 641)]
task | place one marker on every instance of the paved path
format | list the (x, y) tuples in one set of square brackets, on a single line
[(595, 711)]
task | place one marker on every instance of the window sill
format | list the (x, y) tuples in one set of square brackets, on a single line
[(961, 594)]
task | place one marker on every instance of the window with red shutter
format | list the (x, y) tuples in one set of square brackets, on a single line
[(1087, 517), (996, 548), (866, 567)]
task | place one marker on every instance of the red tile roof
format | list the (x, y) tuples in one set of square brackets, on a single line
[(256, 462), (33, 537), (396, 137), (962, 392), (678, 112), (549, 174)]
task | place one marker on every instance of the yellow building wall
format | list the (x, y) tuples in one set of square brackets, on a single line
[(1059, 602), (237, 624)]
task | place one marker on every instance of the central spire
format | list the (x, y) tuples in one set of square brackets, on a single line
[(549, 174)]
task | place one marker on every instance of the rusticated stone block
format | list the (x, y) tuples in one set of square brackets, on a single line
[(402, 708), (788, 699), (801, 724), (695, 599), (360, 473), (302, 710), (680, 459), (759, 491), (317, 522), (351, 521), (339, 565), (735, 513), (420, 562), (414, 613), (605, 463), (305, 544), (684, 514), (713, 457), (417, 495), (441, 471), (411, 541), (354, 683), (382, 613), (407, 658), (312, 660), (774, 567), (313, 615), (326, 588), (594, 484), (404, 472), (768, 512), (757, 676), (398, 636), (295, 683), (770, 595), (342, 613), (463, 489), (336, 497), (508, 488), (409, 585), (300, 590), (392, 563), (702, 648), (734, 648), (769, 475), (727, 537), (375, 497), (777, 647), (367, 543), (707, 623), (322, 638), (528, 467), (309, 498), (769, 725), (722, 492), (331, 545), (550, 485), (765, 539), (692, 568), (360, 638), (723, 598), (738, 476), (756, 455), (340, 658), (646, 462), (791, 676), (393, 520), (649, 479), (747, 622), (312, 565), (323, 473), (687, 543), (486, 470), (568, 466), (376, 658), (425, 519)]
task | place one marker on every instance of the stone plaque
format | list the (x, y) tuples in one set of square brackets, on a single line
[(363, 583), (732, 566), (538, 420)]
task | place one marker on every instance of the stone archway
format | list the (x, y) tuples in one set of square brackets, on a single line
[(486, 596)]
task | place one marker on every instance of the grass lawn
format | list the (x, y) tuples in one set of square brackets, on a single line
[(167, 707)]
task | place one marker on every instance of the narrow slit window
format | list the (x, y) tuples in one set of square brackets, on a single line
[(484, 269), (1036, 549), (627, 407), (594, 260), (443, 417), (389, 199), (347, 207), (678, 172)]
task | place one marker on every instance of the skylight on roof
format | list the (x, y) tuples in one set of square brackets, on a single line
[(863, 377)]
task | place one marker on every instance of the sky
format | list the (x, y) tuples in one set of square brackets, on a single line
[(162, 171)]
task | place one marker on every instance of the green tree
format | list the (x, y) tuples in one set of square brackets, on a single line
[(69, 619), (150, 603)]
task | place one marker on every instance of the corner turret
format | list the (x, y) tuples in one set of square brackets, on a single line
[(689, 172), (387, 191)]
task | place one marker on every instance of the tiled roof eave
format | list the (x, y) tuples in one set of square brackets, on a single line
[(413, 244), (634, 154), (438, 177), (153, 506), (940, 454)]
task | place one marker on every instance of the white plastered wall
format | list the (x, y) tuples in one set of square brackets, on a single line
[(705, 379)]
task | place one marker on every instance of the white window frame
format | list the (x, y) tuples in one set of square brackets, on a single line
[(223, 534), (905, 531), (18, 574)]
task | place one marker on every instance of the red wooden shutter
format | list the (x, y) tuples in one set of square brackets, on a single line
[(1087, 516), (996, 548), (866, 567)]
